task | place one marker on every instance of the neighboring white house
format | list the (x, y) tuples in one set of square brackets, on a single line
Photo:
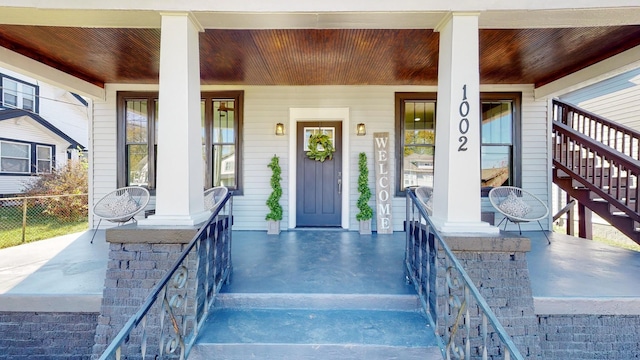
[(41, 128)]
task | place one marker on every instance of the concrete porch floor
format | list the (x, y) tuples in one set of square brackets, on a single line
[(569, 276)]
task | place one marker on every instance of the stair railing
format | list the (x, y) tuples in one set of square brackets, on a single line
[(458, 328), (610, 174), (168, 322), (619, 137)]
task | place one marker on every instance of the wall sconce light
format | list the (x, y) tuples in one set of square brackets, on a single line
[(279, 129), (361, 130)]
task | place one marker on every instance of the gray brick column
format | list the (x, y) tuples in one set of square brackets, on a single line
[(498, 267), (138, 258)]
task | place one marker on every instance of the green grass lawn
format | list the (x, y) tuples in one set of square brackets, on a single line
[(39, 226)]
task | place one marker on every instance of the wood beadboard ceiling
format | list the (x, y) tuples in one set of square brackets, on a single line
[(318, 57)]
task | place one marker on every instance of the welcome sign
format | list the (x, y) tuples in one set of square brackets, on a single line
[(383, 182)]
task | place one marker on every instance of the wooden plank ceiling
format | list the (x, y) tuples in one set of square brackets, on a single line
[(318, 57)]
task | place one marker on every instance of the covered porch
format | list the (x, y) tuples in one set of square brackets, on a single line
[(290, 56), (320, 268)]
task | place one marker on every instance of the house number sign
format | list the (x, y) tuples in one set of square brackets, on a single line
[(463, 125)]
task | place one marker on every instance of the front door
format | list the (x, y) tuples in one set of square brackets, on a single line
[(319, 192)]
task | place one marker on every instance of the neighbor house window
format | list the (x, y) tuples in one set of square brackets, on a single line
[(15, 157), (18, 157), (18, 94), (44, 159), (415, 136), (138, 138)]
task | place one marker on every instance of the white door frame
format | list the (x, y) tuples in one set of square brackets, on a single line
[(297, 115)]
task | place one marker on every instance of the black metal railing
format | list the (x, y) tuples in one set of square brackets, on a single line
[(168, 322), (450, 299)]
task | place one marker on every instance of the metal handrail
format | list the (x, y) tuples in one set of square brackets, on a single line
[(453, 332), (564, 210), (212, 245)]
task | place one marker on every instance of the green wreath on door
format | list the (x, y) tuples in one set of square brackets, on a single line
[(320, 147)]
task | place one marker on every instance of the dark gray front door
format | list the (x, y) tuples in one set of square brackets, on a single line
[(319, 184)]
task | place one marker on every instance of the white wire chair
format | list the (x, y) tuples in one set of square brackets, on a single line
[(214, 196), (423, 194), (121, 205), (518, 206)]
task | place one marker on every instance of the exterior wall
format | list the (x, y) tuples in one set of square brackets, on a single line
[(40, 336), (266, 106), (617, 98), (589, 336), (26, 129)]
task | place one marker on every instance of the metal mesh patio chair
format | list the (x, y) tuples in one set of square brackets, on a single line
[(121, 205), (518, 206), (214, 196), (423, 194)]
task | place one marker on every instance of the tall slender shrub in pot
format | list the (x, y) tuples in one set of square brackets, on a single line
[(365, 211), (273, 202)]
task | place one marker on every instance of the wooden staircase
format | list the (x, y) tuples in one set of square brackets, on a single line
[(596, 161)]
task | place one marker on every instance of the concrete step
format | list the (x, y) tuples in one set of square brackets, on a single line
[(248, 333), (318, 301), (316, 326)]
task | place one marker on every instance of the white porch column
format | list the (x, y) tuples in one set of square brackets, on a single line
[(456, 195), (179, 183)]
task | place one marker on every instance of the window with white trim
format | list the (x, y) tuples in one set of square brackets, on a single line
[(19, 95), (14, 157), (44, 159)]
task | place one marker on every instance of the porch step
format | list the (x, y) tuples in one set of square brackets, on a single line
[(315, 334), (318, 301), (316, 326)]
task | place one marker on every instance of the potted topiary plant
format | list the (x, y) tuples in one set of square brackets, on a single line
[(273, 202), (365, 211)]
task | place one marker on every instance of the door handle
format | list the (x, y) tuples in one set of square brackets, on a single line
[(339, 183)]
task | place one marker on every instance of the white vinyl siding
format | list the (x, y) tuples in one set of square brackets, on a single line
[(617, 98), (267, 105)]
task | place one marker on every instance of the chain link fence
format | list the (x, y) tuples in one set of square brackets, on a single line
[(32, 218)]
